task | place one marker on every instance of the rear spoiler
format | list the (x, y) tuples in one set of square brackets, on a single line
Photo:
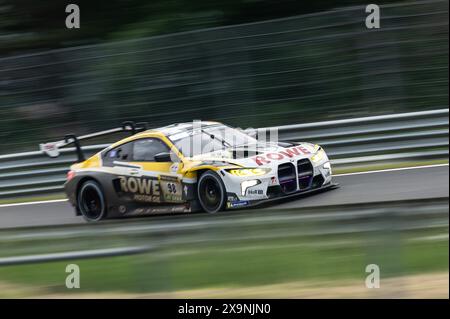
[(52, 149)]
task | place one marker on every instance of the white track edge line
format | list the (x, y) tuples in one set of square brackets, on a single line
[(392, 170), (34, 203)]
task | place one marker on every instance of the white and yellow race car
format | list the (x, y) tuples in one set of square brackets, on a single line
[(188, 167)]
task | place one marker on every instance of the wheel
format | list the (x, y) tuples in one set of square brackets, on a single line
[(211, 192), (91, 201)]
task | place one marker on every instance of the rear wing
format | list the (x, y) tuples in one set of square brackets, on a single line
[(52, 149)]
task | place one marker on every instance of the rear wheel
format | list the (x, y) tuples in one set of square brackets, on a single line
[(211, 192), (91, 201)]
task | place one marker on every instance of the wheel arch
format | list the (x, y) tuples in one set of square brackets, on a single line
[(80, 183), (223, 186)]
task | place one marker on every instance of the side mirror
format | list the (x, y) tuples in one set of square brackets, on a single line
[(163, 157)]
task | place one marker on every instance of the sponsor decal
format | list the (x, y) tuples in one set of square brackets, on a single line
[(281, 155), (238, 203), (171, 188), (273, 181), (51, 149), (174, 167), (141, 188), (159, 210), (255, 192)]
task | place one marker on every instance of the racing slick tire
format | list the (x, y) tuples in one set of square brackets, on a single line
[(211, 192), (91, 201)]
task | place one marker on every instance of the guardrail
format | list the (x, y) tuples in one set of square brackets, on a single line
[(405, 136), (359, 141)]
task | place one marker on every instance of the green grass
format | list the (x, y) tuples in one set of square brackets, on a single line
[(229, 264), (239, 265)]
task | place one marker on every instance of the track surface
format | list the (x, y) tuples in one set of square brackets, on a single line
[(417, 183)]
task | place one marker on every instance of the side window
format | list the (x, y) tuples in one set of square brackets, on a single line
[(144, 150), (122, 153)]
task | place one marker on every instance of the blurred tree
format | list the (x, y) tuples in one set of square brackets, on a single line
[(308, 68), (30, 24)]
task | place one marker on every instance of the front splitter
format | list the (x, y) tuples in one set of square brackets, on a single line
[(297, 194)]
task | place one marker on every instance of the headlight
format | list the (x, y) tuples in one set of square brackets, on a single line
[(319, 154), (247, 184), (249, 171)]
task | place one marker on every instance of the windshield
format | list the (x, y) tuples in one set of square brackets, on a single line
[(231, 136), (210, 139)]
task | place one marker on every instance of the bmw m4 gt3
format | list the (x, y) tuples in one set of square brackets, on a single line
[(187, 167)]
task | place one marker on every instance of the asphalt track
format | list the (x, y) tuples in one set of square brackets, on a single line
[(370, 187)]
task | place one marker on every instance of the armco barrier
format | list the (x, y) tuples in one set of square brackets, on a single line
[(358, 141)]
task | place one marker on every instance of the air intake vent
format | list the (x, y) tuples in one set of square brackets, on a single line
[(287, 178), (305, 173)]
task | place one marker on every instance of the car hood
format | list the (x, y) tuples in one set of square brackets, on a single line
[(260, 155)]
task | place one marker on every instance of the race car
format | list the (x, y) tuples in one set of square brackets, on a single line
[(188, 167)]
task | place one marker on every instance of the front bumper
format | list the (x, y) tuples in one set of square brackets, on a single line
[(271, 187)]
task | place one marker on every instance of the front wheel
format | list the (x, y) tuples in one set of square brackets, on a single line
[(91, 201), (211, 192)]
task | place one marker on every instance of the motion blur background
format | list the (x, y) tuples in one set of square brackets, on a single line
[(127, 63), (248, 63)]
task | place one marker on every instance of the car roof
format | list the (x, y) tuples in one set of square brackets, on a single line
[(175, 129)]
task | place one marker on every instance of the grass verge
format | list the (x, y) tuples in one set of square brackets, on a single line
[(238, 265)]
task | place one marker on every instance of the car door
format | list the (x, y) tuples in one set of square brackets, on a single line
[(159, 178), (122, 174)]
